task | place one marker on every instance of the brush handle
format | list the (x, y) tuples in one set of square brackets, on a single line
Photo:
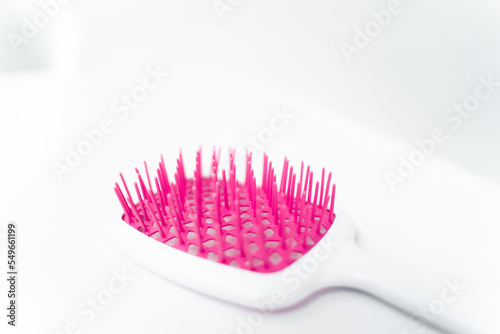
[(423, 296)]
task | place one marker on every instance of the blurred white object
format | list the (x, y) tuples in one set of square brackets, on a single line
[(33, 52), (39, 34)]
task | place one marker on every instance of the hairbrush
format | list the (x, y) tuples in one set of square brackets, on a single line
[(266, 244)]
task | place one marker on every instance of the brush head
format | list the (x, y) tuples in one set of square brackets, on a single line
[(259, 228)]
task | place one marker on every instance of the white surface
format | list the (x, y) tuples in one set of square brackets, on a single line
[(441, 217), (226, 77)]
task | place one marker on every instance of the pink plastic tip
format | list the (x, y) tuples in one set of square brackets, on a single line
[(262, 228)]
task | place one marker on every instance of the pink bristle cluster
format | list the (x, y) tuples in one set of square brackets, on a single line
[(260, 228)]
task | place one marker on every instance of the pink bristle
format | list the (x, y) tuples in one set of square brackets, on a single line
[(328, 182), (214, 177), (147, 174), (302, 212), (306, 184), (264, 172), (174, 196), (198, 223), (179, 182), (310, 187), (198, 165), (226, 196), (274, 206), (239, 228), (144, 190), (123, 202), (162, 203), (158, 224), (280, 219), (254, 193), (177, 190), (331, 216), (321, 217), (163, 170), (176, 225), (315, 199), (163, 178), (308, 223), (275, 214), (282, 222), (232, 181), (289, 186), (125, 186), (297, 201), (322, 186), (199, 210), (180, 199), (141, 202), (218, 220), (248, 168), (161, 189), (175, 211), (284, 176), (182, 171), (231, 158), (136, 215), (218, 159), (260, 238), (157, 209), (217, 203), (270, 180), (301, 171), (290, 200)]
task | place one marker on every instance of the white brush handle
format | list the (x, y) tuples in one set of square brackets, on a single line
[(425, 297)]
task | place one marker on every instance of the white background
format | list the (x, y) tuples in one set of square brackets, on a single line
[(225, 79)]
